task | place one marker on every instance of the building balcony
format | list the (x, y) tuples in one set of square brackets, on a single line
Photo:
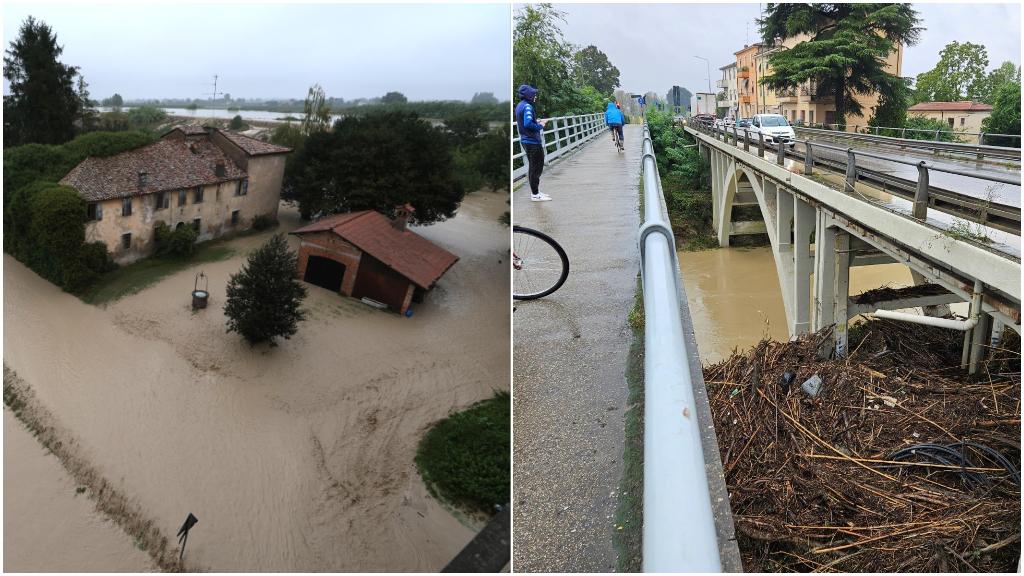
[(743, 73), (746, 98), (723, 84)]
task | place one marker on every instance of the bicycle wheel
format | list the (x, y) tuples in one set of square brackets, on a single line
[(539, 264)]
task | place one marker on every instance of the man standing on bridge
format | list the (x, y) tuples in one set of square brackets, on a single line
[(532, 139)]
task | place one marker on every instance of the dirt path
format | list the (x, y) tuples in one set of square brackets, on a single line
[(297, 458)]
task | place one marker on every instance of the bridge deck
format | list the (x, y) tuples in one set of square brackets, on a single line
[(570, 355)]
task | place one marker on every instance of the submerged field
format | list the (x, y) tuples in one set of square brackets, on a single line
[(295, 458)]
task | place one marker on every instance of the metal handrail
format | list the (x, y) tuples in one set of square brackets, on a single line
[(569, 132), (1004, 217), (903, 130), (978, 150), (675, 481)]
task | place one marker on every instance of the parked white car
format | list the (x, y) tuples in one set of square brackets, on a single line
[(774, 127)]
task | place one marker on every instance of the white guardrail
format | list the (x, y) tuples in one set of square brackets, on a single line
[(679, 526), (561, 134)]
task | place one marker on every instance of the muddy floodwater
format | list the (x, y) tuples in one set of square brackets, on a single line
[(735, 299), (294, 458)]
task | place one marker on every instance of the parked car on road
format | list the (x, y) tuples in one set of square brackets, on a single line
[(774, 127)]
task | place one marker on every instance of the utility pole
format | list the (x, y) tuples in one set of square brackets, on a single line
[(214, 88), (708, 64)]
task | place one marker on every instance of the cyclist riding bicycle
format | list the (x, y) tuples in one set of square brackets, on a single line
[(614, 119)]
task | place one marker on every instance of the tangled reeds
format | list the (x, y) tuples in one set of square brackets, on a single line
[(851, 479)]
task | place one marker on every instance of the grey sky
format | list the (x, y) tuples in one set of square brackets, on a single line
[(266, 50), (654, 45)]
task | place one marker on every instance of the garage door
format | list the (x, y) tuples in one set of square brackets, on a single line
[(325, 273), (375, 280)]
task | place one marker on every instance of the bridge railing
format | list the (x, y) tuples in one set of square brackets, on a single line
[(981, 137), (561, 134), (978, 150), (679, 526), (922, 195)]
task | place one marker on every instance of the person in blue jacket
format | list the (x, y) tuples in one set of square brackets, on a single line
[(532, 139), (614, 119)]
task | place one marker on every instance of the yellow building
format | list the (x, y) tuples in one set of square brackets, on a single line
[(767, 98), (804, 105), (961, 116), (746, 80), (213, 180)]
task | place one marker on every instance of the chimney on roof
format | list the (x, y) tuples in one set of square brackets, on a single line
[(401, 218), (143, 178), (220, 170)]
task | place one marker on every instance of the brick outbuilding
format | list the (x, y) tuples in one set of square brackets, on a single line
[(365, 254)]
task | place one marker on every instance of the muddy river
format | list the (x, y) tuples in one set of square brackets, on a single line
[(295, 458), (735, 299)]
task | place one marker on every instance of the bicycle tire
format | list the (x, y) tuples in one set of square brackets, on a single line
[(562, 257)]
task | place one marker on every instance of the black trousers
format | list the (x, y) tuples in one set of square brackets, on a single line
[(535, 156)]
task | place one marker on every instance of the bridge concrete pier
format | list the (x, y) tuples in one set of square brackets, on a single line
[(848, 231)]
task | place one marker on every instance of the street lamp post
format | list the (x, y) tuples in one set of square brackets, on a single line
[(708, 64)]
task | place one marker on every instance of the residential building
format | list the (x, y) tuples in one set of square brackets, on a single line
[(214, 180), (727, 86), (767, 99), (367, 255), (746, 80), (963, 116)]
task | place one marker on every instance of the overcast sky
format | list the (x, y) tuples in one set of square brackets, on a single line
[(264, 50), (653, 45)]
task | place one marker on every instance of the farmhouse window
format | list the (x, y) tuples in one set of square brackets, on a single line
[(182, 197), (199, 194), (126, 240), (126, 206)]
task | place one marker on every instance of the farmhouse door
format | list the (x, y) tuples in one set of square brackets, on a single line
[(325, 273), (375, 280)]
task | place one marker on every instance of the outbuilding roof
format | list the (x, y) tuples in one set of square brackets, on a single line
[(252, 146), (404, 251), (964, 106), (168, 165)]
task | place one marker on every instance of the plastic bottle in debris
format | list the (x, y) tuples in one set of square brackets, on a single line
[(812, 385)]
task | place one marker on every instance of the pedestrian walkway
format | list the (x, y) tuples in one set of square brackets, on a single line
[(570, 357)]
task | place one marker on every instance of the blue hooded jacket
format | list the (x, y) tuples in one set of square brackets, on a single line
[(529, 128), (613, 116)]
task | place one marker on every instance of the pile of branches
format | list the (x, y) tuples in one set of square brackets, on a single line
[(899, 463)]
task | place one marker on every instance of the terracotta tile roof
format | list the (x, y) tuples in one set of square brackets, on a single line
[(404, 251), (965, 106), (168, 164), (189, 129), (252, 146)]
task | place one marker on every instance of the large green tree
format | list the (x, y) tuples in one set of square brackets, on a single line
[(43, 103), (317, 116), (1005, 117), (542, 58), (891, 110), (959, 75), (845, 54), (1006, 73), (591, 67), (377, 162), (264, 298), (394, 98)]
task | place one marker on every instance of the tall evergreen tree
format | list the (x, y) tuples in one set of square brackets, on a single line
[(43, 105), (846, 51), (264, 298)]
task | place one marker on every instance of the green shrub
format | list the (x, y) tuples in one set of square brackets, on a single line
[(264, 298), (924, 129), (236, 123), (465, 459), (179, 243), (96, 257), (263, 222)]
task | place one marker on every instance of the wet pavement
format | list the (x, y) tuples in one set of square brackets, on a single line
[(570, 357)]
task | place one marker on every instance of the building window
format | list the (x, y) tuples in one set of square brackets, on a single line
[(962, 120), (234, 217), (162, 201), (182, 197), (126, 206), (94, 211), (950, 122), (126, 240), (195, 224), (199, 195), (242, 188), (811, 112)]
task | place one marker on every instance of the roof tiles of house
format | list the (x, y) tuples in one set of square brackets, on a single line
[(190, 129), (965, 106), (168, 164), (404, 251), (252, 146)]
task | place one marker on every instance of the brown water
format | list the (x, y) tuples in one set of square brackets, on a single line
[(295, 458), (735, 299), (36, 490)]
